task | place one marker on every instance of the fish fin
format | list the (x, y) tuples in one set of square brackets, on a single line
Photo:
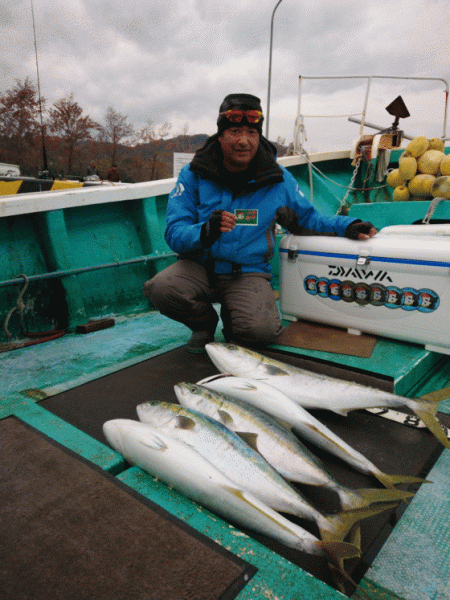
[(352, 499), (340, 577), (225, 418), (272, 370), (426, 410), (436, 396), (154, 443), (247, 386), (336, 527), (244, 496), (337, 552), (183, 422), (341, 411), (249, 438), (213, 378), (354, 535), (390, 480), (323, 435)]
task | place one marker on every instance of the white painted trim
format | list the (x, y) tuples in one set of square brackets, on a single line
[(20, 204), (291, 161)]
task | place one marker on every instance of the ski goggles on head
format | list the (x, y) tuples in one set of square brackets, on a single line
[(235, 115)]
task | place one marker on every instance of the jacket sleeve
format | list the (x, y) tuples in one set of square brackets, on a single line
[(307, 216), (182, 232)]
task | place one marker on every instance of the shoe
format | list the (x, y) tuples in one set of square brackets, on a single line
[(198, 341)]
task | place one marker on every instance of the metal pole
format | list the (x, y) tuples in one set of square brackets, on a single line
[(79, 270), (44, 153), (270, 69)]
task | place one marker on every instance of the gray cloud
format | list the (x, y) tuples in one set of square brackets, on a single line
[(174, 60)]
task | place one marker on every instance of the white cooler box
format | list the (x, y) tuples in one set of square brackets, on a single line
[(396, 284)]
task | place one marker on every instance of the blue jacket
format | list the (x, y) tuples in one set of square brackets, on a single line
[(270, 196)]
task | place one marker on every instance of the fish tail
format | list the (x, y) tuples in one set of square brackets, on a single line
[(341, 577), (352, 499), (426, 408), (390, 481), (336, 527), (354, 536), (338, 551)]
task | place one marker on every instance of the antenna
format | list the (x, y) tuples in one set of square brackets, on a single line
[(44, 153)]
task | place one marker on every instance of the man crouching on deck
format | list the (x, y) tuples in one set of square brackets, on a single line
[(221, 220)]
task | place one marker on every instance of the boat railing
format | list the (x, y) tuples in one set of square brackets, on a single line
[(299, 130)]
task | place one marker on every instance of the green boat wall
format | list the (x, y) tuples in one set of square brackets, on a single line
[(88, 251)]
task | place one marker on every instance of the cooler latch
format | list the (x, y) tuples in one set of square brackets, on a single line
[(292, 253), (363, 261)]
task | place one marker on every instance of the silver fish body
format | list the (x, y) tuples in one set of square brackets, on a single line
[(183, 468), (254, 410), (232, 456), (313, 390)]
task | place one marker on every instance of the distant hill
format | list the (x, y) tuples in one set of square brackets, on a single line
[(140, 162)]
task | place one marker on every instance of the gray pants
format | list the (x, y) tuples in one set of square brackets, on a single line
[(185, 293)]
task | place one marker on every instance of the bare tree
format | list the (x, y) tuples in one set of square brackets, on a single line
[(66, 121), (154, 138), (116, 129), (182, 143), (20, 130)]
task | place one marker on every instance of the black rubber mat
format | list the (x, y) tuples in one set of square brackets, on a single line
[(394, 448), (68, 530)]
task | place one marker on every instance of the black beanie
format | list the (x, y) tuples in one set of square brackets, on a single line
[(239, 101)]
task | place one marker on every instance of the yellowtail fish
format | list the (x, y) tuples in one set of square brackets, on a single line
[(178, 465), (249, 470), (313, 390), (310, 428), (237, 403)]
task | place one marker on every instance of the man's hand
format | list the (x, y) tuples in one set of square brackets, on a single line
[(228, 221), (220, 221), (360, 231)]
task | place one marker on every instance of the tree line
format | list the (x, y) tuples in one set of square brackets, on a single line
[(61, 141)]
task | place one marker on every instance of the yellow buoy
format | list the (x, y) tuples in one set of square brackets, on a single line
[(430, 161), (401, 193), (407, 167), (436, 144), (421, 185), (441, 187), (417, 146), (445, 165), (393, 179)]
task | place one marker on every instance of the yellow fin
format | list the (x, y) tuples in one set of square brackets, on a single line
[(338, 551), (426, 408), (183, 422), (225, 418), (390, 480), (437, 396), (249, 438), (433, 425), (336, 527), (354, 536), (368, 496)]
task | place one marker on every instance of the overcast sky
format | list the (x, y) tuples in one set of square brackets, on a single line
[(175, 60)]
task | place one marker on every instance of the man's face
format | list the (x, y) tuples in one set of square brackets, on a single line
[(239, 146)]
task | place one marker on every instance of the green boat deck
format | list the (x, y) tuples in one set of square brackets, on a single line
[(86, 254), (42, 371)]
